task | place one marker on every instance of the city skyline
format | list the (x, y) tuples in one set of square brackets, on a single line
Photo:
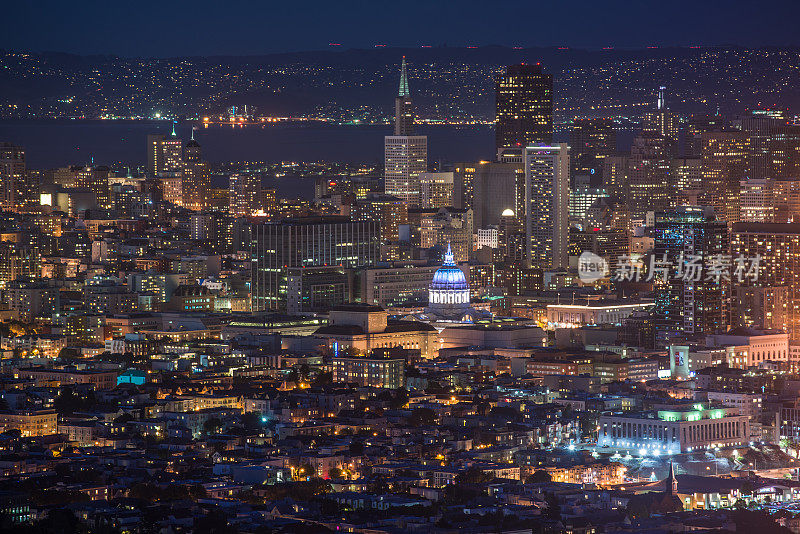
[(506, 289)]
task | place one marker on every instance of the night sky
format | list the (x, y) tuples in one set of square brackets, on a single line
[(219, 27)]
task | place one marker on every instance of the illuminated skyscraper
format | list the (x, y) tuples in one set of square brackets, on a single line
[(774, 145), (650, 184), (662, 122), (403, 107), (95, 178), (192, 152), (489, 188), (164, 154), (277, 247), (196, 184), (778, 246), (524, 107), (196, 180), (581, 197), (688, 307), (756, 201), (244, 194), (786, 200), (546, 205), (386, 210), (687, 173), (405, 155), (12, 174), (726, 162), (436, 189), (590, 142)]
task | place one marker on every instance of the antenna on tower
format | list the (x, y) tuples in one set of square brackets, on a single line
[(193, 133), (173, 129)]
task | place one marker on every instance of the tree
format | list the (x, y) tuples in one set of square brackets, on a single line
[(356, 448), (214, 522), (212, 425), (553, 510), (323, 379), (251, 421), (55, 497), (305, 471), (422, 417), (335, 472), (198, 491), (399, 399), (68, 354), (68, 402), (304, 371), (473, 475)]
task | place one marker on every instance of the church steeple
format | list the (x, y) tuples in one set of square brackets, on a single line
[(671, 483), (404, 91)]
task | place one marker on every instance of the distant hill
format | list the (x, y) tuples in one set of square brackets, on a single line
[(446, 82)]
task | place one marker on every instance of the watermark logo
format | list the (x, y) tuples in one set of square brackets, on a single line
[(592, 267), (717, 268)]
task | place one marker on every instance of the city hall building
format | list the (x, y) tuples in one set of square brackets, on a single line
[(674, 431)]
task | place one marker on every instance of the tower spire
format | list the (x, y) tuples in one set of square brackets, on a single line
[(192, 133), (448, 256), (403, 80), (671, 484), (173, 130)]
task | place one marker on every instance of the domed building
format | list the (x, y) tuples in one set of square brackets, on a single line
[(449, 296)]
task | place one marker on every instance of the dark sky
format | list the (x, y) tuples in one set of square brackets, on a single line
[(213, 27)]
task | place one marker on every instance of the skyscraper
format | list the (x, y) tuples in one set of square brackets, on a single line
[(95, 178), (405, 155), (662, 122), (650, 183), (192, 152), (778, 246), (774, 145), (694, 304), (403, 107), (12, 173), (196, 177), (164, 154), (725, 163), (277, 247), (244, 193), (388, 211), (196, 184), (490, 188), (590, 142), (436, 189), (524, 107), (546, 205)]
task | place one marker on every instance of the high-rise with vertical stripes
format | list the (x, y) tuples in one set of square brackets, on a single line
[(406, 155)]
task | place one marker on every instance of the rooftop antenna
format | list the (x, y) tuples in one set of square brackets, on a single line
[(193, 127), (173, 129)]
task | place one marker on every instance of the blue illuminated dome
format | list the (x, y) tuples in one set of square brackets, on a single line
[(449, 276), (449, 289)]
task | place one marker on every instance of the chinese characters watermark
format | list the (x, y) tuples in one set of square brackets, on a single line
[(689, 268)]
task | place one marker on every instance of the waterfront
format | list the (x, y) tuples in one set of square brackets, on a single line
[(53, 143)]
